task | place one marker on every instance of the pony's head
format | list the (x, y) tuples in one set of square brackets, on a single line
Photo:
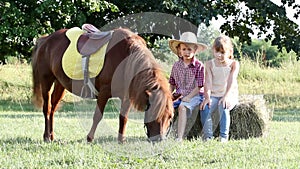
[(155, 98), (158, 114), (149, 90)]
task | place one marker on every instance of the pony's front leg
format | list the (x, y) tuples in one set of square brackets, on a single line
[(101, 102), (123, 117)]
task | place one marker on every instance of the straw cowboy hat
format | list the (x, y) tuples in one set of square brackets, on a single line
[(187, 38)]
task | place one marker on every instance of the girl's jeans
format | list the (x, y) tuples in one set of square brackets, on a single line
[(206, 119)]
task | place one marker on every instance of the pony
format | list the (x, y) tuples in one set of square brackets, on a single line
[(129, 72)]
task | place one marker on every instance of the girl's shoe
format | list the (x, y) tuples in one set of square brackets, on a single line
[(223, 140)]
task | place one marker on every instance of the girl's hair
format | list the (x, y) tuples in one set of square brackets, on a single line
[(222, 44)]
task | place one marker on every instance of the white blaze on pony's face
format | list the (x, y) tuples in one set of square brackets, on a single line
[(158, 115)]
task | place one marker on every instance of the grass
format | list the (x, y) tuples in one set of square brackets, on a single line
[(21, 126), (23, 148)]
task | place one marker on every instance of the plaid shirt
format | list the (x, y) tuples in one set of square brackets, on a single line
[(185, 79)]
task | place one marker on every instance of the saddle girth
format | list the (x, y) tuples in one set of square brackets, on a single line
[(87, 83)]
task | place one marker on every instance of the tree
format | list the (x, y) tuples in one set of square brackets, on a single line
[(262, 52), (262, 14), (25, 19), (265, 15)]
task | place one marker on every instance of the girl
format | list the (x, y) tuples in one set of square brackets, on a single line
[(220, 88)]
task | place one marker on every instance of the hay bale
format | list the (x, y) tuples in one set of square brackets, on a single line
[(250, 118)]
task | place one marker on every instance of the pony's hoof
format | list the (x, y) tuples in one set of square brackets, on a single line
[(121, 139), (47, 140), (89, 139), (52, 137)]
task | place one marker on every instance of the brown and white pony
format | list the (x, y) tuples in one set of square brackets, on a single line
[(129, 72)]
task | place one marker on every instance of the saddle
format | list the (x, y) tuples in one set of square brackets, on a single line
[(90, 42), (84, 57)]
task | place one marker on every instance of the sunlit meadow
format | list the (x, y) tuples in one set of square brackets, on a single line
[(21, 129)]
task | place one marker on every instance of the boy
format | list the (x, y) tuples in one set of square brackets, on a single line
[(187, 77)]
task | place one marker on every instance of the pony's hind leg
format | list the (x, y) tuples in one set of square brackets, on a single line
[(46, 93), (57, 94)]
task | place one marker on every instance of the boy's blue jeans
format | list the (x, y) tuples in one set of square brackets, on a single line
[(195, 101), (206, 119)]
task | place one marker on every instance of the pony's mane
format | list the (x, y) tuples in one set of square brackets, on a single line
[(151, 78)]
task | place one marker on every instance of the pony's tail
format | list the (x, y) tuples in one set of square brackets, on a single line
[(37, 98)]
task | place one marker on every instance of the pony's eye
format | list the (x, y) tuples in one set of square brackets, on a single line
[(155, 87)]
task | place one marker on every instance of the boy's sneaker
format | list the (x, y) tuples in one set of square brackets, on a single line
[(208, 139), (179, 140)]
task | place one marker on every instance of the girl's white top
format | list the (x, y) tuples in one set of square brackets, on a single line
[(219, 81)]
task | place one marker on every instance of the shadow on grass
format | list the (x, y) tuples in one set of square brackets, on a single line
[(20, 140), (129, 139), (287, 115), (99, 140), (286, 108), (16, 105), (27, 106), (80, 109), (26, 140), (16, 115), (289, 108)]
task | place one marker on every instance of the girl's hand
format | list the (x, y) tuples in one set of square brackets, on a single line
[(204, 103), (226, 102)]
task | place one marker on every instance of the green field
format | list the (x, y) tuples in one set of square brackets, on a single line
[(21, 130)]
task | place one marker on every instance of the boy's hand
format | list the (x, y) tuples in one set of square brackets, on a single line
[(186, 99), (176, 96)]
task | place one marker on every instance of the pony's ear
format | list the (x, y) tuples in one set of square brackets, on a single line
[(148, 93)]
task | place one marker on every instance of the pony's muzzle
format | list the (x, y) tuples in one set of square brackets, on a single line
[(157, 138), (162, 137)]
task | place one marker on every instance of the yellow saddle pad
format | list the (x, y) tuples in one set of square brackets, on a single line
[(72, 59)]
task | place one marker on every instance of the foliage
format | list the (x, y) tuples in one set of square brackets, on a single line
[(265, 15), (262, 15), (263, 52), (24, 20)]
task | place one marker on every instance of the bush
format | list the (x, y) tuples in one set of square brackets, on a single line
[(266, 54)]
